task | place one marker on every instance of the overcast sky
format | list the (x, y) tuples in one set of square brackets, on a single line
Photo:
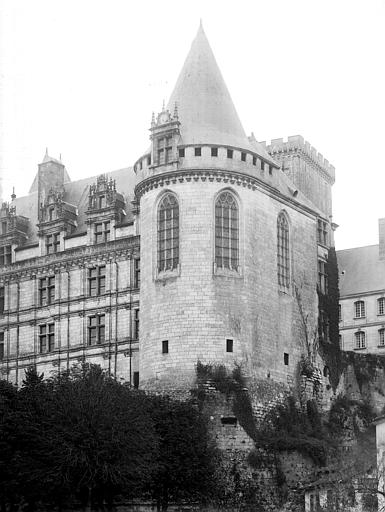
[(82, 78)]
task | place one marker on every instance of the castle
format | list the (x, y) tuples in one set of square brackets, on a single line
[(211, 247)]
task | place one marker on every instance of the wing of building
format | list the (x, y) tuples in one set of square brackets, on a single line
[(362, 296), (209, 241)]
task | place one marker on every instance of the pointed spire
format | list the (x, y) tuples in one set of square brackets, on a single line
[(205, 109), (13, 195)]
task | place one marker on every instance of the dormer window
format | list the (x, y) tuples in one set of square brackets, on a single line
[(51, 213), (164, 150), (5, 255), (3, 228), (52, 243), (101, 202), (102, 232), (181, 153), (198, 151)]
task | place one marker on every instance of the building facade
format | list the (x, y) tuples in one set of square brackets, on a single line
[(362, 296), (218, 242)]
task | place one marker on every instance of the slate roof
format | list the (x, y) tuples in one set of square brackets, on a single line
[(360, 270), (205, 108), (76, 193)]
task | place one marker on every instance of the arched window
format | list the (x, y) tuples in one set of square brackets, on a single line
[(168, 233), (283, 251), (360, 339), (359, 309), (226, 232)]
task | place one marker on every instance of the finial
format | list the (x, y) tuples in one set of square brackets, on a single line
[(60, 157), (176, 110), (13, 195), (46, 151), (153, 119), (200, 23), (163, 106)]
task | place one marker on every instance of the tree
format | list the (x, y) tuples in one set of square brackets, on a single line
[(185, 468)]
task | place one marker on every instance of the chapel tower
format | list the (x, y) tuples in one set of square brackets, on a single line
[(222, 239)]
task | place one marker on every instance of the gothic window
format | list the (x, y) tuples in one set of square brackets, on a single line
[(360, 339), (96, 281), (381, 306), (5, 255), (381, 337), (226, 232), (283, 251), (46, 290), (168, 233), (322, 277), (359, 309), (46, 338), (96, 329), (102, 232), (52, 243)]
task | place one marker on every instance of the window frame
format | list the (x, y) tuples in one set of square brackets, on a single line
[(359, 309), (96, 324), (52, 243), (283, 252), (46, 338), (96, 281), (46, 290), (227, 231), (5, 255), (136, 272), (104, 233), (2, 300), (136, 324), (359, 340), (381, 337), (2, 345), (168, 233), (322, 232), (381, 306), (323, 282)]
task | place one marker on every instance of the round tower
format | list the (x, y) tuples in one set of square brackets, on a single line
[(209, 199)]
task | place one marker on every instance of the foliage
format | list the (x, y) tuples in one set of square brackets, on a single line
[(365, 366), (306, 367), (328, 303), (229, 384), (289, 428), (345, 413), (186, 458)]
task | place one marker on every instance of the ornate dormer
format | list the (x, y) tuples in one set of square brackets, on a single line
[(13, 232), (105, 209), (57, 219), (165, 134)]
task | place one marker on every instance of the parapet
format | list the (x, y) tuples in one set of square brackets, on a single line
[(298, 143)]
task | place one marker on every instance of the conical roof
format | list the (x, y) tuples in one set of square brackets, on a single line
[(206, 111)]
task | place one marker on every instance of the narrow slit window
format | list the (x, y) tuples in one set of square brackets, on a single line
[(283, 252), (165, 347), (229, 345)]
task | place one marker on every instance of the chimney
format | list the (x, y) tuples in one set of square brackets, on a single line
[(381, 238)]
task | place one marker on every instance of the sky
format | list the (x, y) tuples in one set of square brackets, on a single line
[(82, 77)]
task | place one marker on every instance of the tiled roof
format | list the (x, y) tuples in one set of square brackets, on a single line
[(360, 270), (76, 194)]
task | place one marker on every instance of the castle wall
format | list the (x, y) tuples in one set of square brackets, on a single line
[(197, 307)]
